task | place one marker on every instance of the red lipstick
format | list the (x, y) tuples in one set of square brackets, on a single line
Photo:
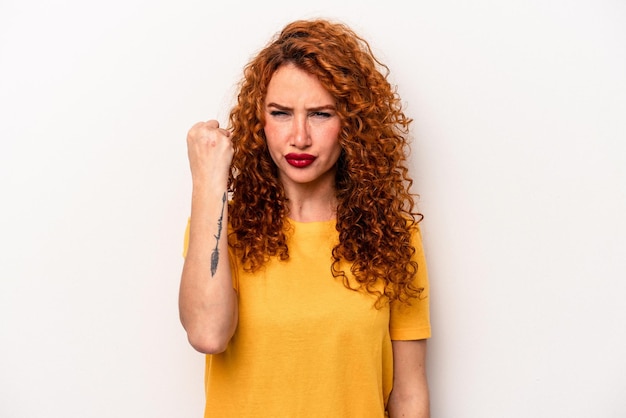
[(300, 160)]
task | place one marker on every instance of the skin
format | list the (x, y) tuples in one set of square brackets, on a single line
[(409, 396), (207, 301), (300, 119)]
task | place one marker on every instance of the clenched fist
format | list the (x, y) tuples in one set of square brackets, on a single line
[(210, 153)]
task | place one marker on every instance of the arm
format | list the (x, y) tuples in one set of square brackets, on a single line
[(409, 396), (207, 301)]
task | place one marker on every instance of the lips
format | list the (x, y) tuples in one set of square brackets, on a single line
[(300, 160)]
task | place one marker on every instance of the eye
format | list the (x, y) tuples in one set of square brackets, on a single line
[(323, 115), (278, 113)]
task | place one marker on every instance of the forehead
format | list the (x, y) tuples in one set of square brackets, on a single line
[(290, 83)]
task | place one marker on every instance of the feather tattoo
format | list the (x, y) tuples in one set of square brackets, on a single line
[(215, 255)]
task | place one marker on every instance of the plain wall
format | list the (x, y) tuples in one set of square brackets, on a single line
[(518, 155)]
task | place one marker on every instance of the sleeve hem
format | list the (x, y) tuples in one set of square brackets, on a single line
[(407, 334)]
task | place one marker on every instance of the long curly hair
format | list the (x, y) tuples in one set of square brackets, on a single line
[(375, 212)]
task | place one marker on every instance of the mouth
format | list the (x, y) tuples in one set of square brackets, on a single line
[(300, 160)]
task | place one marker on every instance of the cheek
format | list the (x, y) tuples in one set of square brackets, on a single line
[(271, 135), (334, 144), (275, 132), (268, 130)]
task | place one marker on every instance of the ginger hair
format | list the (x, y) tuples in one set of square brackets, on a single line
[(375, 212)]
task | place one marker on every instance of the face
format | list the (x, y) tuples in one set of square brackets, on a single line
[(302, 128)]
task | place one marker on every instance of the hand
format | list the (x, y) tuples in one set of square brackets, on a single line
[(210, 152)]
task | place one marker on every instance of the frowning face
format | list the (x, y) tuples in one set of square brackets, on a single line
[(302, 128)]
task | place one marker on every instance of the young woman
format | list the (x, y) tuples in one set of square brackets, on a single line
[(304, 279)]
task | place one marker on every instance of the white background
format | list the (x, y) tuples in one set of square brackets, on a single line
[(520, 120)]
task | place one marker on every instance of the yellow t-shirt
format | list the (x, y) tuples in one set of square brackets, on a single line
[(305, 346)]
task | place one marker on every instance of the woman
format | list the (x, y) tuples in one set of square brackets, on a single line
[(307, 289)]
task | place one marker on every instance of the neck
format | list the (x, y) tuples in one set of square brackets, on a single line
[(312, 205), (312, 212)]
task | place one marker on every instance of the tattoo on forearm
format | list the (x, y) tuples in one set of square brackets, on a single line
[(215, 255)]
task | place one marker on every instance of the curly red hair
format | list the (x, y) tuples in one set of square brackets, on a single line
[(375, 213)]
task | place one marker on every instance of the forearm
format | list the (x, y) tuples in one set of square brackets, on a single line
[(207, 300)]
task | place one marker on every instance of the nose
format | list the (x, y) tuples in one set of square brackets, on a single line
[(300, 137)]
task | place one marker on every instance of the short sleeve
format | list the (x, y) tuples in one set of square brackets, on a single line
[(412, 322)]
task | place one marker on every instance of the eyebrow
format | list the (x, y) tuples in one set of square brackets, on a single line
[(310, 109)]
